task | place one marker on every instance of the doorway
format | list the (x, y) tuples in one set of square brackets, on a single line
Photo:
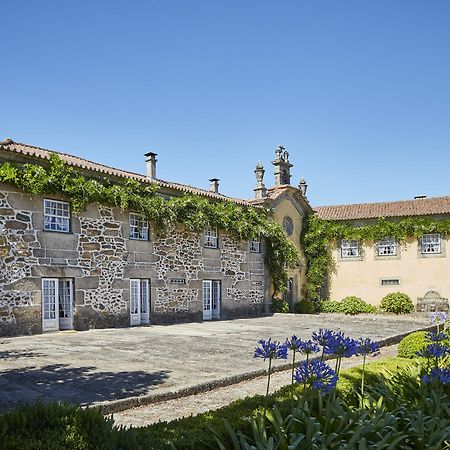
[(139, 302), (57, 304), (211, 299)]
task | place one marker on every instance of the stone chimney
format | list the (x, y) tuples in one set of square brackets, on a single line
[(260, 189), (214, 185), (282, 165), (150, 161)]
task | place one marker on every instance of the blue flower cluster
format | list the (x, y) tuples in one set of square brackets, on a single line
[(316, 375), (435, 350), (367, 347), (437, 375), (303, 347), (438, 317), (271, 350)]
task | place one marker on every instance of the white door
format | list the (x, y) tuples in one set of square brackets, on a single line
[(145, 301), (216, 299), (207, 297), (135, 302), (49, 301), (65, 301)]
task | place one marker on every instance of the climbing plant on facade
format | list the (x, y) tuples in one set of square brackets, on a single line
[(319, 235), (192, 211)]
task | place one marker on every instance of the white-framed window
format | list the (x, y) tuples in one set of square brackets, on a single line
[(430, 243), (350, 248), (56, 216), (255, 246), (387, 247), (138, 227), (139, 301), (211, 239)]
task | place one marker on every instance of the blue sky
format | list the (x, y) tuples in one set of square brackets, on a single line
[(357, 91)]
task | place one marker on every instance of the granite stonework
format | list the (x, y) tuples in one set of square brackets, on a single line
[(100, 259)]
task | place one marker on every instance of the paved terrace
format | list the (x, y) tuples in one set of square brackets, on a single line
[(95, 366)]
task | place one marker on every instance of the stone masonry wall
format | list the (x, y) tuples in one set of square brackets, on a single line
[(100, 259)]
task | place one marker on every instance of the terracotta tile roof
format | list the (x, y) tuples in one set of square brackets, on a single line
[(416, 207), (90, 166), (276, 191)]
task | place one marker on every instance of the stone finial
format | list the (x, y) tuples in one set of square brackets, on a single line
[(303, 186), (282, 165), (260, 189), (214, 185), (7, 141), (150, 161)]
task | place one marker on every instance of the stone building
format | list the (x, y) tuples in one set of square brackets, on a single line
[(104, 267), (418, 267)]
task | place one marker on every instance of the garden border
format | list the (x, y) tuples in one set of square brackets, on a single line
[(113, 406)]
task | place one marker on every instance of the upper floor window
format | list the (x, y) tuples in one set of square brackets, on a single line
[(56, 216), (387, 247), (211, 240), (255, 246), (350, 248), (138, 227), (430, 243)]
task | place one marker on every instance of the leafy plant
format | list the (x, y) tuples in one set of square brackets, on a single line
[(329, 306), (397, 303), (354, 305), (279, 305), (305, 307), (411, 344)]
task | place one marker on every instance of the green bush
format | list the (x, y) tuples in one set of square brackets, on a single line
[(397, 303), (329, 306), (354, 305), (305, 307), (280, 306), (413, 343), (56, 426)]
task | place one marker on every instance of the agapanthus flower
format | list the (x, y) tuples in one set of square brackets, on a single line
[(434, 350), (437, 374), (317, 375), (272, 350), (436, 337), (294, 343), (309, 347), (367, 347), (322, 336), (438, 317), (341, 346)]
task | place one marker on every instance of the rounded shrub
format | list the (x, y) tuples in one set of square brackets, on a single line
[(354, 305), (329, 306), (411, 344), (280, 306), (305, 307), (397, 303)]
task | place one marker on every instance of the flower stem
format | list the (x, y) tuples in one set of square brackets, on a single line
[(363, 375), (268, 377), (293, 365)]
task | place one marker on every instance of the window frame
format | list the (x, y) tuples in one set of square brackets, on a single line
[(350, 247), (211, 237), (141, 225), (254, 246), (66, 219), (386, 245), (438, 243)]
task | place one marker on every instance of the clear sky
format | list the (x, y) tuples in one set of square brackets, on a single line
[(357, 91)]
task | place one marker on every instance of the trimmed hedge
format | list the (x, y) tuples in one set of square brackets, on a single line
[(413, 343), (397, 303), (305, 307), (351, 305)]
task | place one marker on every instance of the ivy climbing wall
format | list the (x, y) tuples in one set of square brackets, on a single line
[(100, 259)]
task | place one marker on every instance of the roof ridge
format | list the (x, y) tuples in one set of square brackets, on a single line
[(119, 172)]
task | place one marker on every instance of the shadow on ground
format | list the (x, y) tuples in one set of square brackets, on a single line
[(80, 385)]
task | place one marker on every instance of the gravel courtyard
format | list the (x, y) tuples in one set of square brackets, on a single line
[(96, 366)]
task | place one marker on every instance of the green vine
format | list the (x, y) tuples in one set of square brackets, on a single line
[(194, 212), (319, 235)]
